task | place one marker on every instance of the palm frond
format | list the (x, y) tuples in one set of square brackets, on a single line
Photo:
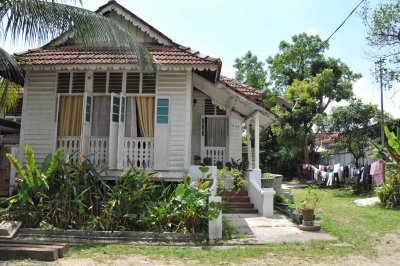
[(9, 94), (10, 69), (35, 21)]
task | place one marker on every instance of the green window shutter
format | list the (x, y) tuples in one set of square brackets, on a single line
[(115, 109), (162, 111), (88, 108), (123, 106)]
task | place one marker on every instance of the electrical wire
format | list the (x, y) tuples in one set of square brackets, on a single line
[(344, 21)]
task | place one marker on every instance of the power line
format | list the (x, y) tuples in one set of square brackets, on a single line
[(344, 21)]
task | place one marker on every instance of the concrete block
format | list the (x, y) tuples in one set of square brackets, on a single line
[(268, 202), (215, 226)]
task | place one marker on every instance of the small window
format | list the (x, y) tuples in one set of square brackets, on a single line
[(149, 83), (99, 81), (115, 109), (88, 108), (115, 82), (63, 82), (78, 82), (162, 111), (132, 82)]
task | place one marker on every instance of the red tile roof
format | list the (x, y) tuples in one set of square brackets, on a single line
[(249, 92), (168, 55)]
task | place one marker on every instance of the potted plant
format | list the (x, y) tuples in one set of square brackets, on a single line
[(220, 165), (267, 181), (197, 160), (310, 202), (295, 213), (207, 161)]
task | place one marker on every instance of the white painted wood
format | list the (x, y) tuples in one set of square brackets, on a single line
[(249, 152), (170, 138), (139, 152), (71, 146), (235, 138), (197, 112), (86, 125), (39, 109), (121, 131), (98, 149), (256, 141), (217, 154), (188, 118), (113, 140)]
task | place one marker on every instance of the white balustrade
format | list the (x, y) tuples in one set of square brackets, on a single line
[(71, 145), (139, 151), (217, 154), (98, 149)]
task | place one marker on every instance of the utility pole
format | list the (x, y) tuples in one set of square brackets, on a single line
[(380, 62)]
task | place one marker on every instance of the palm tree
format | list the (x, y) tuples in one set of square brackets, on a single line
[(37, 21)]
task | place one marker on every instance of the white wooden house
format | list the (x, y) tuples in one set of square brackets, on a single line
[(97, 101)]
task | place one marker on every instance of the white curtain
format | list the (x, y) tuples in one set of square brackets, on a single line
[(131, 118), (215, 132), (101, 116)]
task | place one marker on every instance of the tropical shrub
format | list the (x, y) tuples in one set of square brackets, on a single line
[(389, 192), (74, 195)]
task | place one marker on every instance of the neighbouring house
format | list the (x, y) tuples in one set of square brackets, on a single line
[(322, 142), (96, 100)]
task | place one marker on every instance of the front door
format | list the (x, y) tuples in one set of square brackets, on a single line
[(214, 138)]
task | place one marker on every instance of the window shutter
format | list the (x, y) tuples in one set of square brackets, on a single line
[(115, 109), (115, 82), (99, 81), (132, 82), (78, 82), (63, 80)]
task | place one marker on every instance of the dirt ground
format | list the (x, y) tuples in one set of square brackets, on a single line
[(387, 252)]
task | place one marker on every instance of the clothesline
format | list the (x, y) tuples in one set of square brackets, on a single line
[(337, 173)]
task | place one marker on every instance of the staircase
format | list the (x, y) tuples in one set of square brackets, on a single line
[(237, 202)]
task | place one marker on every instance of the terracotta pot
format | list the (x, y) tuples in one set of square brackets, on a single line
[(308, 214)]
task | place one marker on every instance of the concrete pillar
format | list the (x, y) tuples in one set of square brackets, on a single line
[(249, 152), (257, 140), (215, 226), (268, 202)]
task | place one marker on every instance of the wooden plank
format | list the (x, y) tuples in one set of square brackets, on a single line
[(43, 254), (61, 247)]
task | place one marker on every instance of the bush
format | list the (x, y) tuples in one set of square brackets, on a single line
[(68, 195)]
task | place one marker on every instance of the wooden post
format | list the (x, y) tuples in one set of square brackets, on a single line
[(257, 140), (249, 152)]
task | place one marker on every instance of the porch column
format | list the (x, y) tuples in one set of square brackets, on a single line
[(257, 141), (249, 152)]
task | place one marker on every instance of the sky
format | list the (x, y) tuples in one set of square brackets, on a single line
[(227, 29)]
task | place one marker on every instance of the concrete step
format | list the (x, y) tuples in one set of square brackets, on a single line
[(236, 199), (240, 210), (239, 204), (234, 193)]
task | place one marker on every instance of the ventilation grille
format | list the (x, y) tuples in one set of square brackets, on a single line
[(149, 83), (78, 82), (132, 82), (209, 108), (115, 83), (63, 82), (99, 81)]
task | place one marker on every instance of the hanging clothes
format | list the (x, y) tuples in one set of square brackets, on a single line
[(377, 172)]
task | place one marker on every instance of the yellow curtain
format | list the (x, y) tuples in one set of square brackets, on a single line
[(70, 116), (145, 108)]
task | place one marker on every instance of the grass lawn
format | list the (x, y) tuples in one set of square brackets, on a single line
[(357, 230)]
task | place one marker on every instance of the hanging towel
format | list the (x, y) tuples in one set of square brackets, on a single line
[(377, 172), (336, 168)]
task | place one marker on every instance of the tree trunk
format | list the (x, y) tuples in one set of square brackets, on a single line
[(356, 161), (305, 147)]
